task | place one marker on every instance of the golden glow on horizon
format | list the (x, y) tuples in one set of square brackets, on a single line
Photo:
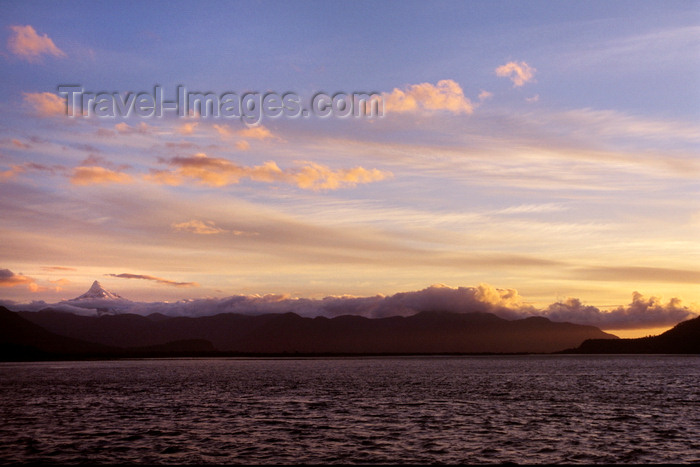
[(637, 333)]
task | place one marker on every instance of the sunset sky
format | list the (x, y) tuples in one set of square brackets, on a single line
[(548, 148)]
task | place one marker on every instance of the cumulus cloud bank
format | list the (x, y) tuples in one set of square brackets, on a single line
[(640, 313), (507, 303), (45, 104)]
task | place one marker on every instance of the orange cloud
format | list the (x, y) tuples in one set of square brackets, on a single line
[(164, 177), (155, 279), (243, 145), (95, 175), (45, 104), (223, 131), (28, 167), (519, 73), (27, 44), (198, 227), (11, 173), (60, 281), (447, 95), (187, 128), (221, 172), (317, 177), (483, 95), (10, 279), (502, 298), (256, 132), (124, 128)]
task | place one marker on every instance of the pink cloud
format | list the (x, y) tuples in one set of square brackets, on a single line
[(45, 104), (20, 144), (12, 172), (28, 45)]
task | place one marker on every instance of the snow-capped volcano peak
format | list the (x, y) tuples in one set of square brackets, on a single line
[(97, 291)]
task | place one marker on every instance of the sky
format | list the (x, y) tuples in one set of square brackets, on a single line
[(548, 151)]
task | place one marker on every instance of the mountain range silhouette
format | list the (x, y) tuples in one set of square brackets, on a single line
[(50, 334)]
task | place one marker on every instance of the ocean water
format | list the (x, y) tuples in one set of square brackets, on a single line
[(520, 409)]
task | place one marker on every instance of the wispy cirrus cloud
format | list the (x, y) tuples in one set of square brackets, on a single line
[(45, 104), (198, 227), (19, 144), (447, 95), (11, 173), (57, 268), (155, 279), (638, 274), (27, 44), (518, 72), (219, 172), (17, 169)]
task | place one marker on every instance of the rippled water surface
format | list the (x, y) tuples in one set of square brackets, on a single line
[(523, 409)]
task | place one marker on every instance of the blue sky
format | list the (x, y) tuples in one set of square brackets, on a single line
[(578, 180)]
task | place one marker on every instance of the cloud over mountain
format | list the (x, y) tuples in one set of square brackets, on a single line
[(506, 303), (641, 312)]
